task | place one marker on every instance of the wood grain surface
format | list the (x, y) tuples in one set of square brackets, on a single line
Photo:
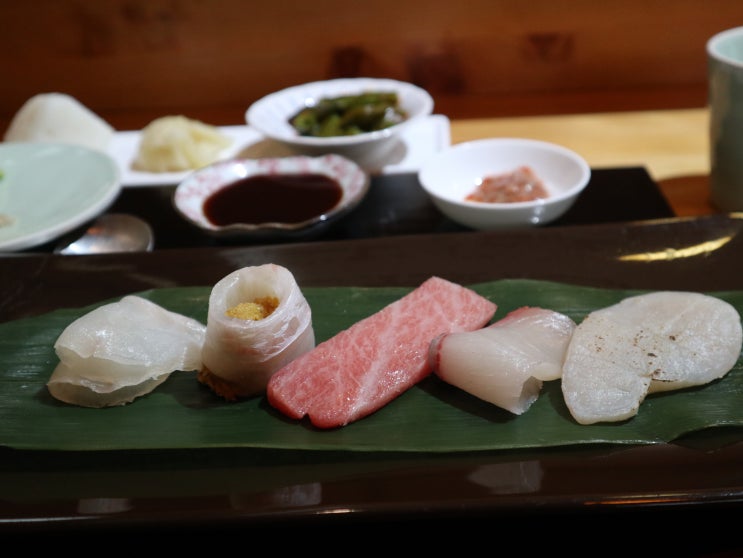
[(478, 58)]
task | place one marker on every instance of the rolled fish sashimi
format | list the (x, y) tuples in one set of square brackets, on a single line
[(121, 351), (258, 321)]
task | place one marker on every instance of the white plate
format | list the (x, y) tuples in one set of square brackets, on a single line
[(48, 189), (417, 142)]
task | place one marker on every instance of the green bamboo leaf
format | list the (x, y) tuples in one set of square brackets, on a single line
[(431, 417)]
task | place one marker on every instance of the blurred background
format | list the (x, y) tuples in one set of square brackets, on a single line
[(134, 60)]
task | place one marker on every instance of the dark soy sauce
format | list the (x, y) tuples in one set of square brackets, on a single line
[(264, 198)]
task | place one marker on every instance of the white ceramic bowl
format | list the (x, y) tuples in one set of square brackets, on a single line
[(270, 116), (450, 175), (193, 192)]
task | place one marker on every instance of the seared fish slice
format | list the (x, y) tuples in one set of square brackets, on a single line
[(658, 341)]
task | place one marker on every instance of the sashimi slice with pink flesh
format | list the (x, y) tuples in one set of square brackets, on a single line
[(364, 367)]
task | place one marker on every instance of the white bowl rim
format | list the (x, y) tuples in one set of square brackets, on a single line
[(488, 142), (354, 183), (339, 86)]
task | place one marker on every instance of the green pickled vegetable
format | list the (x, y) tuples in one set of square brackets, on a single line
[(349, 115)]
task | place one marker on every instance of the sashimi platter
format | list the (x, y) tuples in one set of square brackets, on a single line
[(259, 361)]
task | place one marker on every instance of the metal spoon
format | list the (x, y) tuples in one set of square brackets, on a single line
[(113, 232)]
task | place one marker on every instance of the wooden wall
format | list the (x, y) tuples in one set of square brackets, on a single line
[(131, 60)]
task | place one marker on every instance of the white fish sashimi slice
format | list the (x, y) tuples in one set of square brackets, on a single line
[(653, 342), (706, 333), (605, 376), (242, 353), (123, 350), (507, 362)]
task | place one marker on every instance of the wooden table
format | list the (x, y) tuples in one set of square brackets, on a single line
[(673, 145)]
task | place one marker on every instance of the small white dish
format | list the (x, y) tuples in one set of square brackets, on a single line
[(193, 194), (271, 114), (49, 189), (452, 174)]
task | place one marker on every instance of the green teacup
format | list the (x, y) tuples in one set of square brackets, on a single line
[(725, 67)]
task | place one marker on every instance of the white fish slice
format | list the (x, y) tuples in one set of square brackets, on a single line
[(653, 342), (121, 351), (507, 362)]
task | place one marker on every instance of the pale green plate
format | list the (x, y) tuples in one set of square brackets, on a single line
[(48, 189)]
